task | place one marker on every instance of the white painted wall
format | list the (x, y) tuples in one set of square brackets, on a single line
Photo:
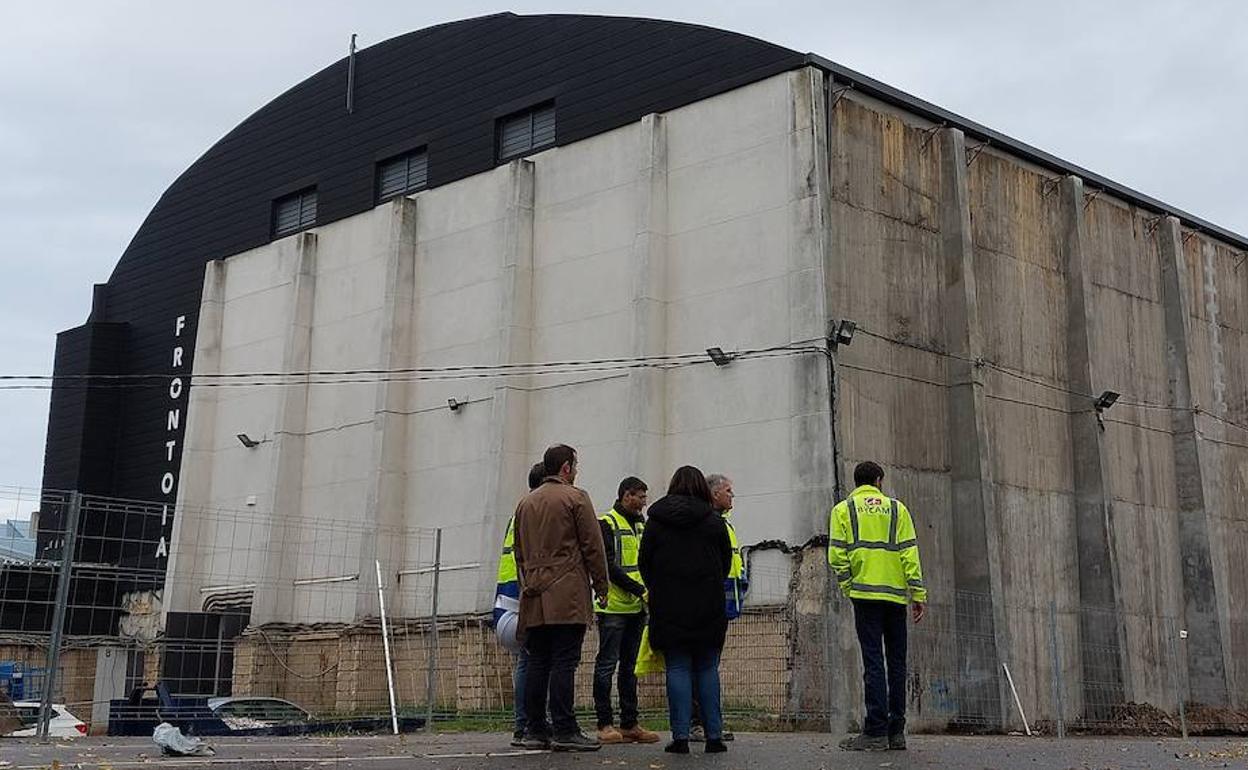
[(541, 260)]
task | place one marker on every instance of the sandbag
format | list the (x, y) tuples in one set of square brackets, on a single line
[(171, 741)]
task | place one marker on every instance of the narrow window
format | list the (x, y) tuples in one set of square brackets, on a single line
[(402, 175), (526, 131), (294, 212)]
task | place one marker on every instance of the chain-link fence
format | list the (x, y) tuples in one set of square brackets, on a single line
[(122, 614)]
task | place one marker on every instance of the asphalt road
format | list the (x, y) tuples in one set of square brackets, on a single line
[(802, 751)]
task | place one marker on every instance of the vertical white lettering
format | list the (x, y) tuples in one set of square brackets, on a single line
[(177, 356), (162, 548), (175, 388), (169, 445), (164, 514), (175, 417), (179, 325), (166, 483)]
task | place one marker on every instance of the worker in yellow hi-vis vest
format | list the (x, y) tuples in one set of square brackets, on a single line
[(622, 620), (735, 585), (874, 556), (506, 607)]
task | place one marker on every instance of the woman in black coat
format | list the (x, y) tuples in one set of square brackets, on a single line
[(685, 556)]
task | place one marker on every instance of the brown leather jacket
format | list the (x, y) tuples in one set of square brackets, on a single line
[(559, 554)]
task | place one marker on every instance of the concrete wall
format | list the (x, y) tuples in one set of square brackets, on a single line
[(697, 228), (971, 270), (994, 301)]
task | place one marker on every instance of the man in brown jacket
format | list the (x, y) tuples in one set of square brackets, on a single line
[(559, 555)]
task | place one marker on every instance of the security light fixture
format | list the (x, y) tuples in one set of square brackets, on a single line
[(720, 357), (247, 441), (454, 404), (843, 334), (1105, 401)]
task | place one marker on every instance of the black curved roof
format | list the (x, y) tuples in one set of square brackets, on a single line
[(443, 88)]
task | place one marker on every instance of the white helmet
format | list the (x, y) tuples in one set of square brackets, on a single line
[(505, 629)]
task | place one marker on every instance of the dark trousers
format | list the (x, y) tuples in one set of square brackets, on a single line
[(619, 639), (881, 629), (554, 652)]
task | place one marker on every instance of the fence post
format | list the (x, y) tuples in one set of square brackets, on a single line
[(432, 676), (385, 643), (69, 540), (1055, 654), (1180, 659)]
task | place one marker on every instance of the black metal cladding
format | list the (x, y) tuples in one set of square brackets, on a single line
[(443, 88)]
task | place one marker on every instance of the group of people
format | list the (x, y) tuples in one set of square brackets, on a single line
[(672, 580)]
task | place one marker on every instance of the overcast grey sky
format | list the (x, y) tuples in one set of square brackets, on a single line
[(103, 104)]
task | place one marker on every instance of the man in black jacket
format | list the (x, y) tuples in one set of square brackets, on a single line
[(621, 621)]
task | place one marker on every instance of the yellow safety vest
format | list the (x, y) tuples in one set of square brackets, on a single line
[(873, 550), (507, 572), (738, 564), (627, 549)]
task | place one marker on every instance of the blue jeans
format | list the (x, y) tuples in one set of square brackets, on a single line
[(522, 670), (619, 637), (686, 671)]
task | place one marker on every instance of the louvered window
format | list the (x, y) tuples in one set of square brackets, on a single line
[(294, 212), (404, 174), (526, 131)]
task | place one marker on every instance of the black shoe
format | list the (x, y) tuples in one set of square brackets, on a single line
[(865, 743), (517, 739), (728, 736), (677, 746), (715, 747), (577, 741), (897, 742), (535, 742), (697, 734)]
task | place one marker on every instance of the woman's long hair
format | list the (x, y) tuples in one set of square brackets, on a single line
[(689, 481)]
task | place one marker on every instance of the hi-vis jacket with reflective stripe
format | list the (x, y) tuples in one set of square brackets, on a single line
[(737, 583), (507, 593), (626, 546), (873, 550)]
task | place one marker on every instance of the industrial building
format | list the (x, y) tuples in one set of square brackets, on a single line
[(1049, 365)]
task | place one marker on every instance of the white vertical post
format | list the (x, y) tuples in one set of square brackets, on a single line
[(385, 641)]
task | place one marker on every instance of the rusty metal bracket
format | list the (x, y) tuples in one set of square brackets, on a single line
[(973, 152), (1190, 234), (1090, 196), (929, 134), (1242, 257), (1151, 225), (1049, 186), (839, 94)]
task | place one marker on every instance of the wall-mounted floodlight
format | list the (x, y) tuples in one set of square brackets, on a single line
[(455, 405), (1105, 401), (843, 332), (720, 357), (247, 441)]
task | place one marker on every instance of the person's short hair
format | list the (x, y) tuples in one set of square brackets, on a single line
[(631, 484), (689, 481), (537, 474), (868, 473), (716, 480), (556, 456)]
